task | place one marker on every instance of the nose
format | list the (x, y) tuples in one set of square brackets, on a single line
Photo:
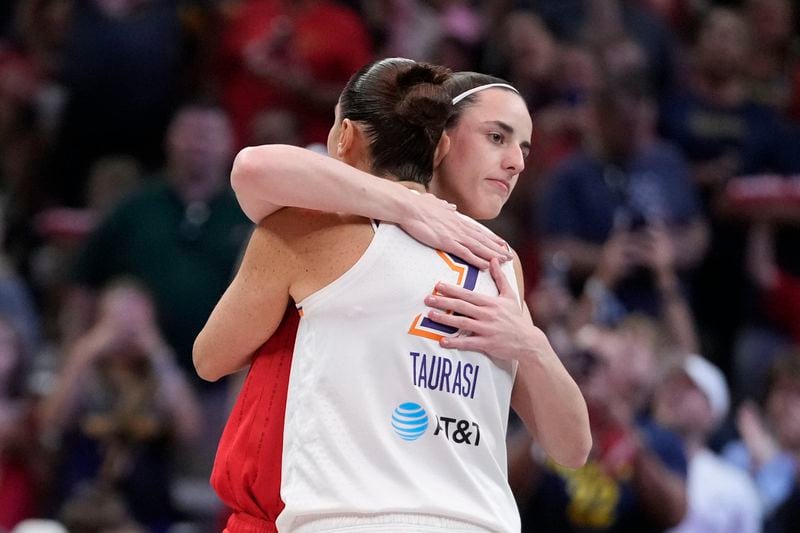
[(514, 160)]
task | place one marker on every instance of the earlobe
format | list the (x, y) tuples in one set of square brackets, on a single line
[(345, 142), (441, 150), (351, 146)]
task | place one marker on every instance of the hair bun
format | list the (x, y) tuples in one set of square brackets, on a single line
[(424, 101)]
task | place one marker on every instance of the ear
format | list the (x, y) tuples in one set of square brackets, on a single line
[(441, 149), (347, 134)]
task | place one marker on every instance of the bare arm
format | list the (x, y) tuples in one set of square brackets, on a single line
[(548, 400), (545, 395), (662, 492), (269, 177), (250, 310)]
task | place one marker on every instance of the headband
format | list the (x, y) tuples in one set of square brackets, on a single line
[(479, 88)]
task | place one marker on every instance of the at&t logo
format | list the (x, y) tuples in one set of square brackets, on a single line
[(409, 421)]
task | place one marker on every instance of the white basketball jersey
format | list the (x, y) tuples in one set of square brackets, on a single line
[(379, 417)]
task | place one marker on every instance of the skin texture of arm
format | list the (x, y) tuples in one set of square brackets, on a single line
[(267, 178), (251, 308), (545, 396), (291, 254)]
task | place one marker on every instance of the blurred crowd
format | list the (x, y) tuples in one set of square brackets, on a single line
[(658, 219)]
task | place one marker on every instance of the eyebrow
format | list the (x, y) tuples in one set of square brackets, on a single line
[(526, 145)]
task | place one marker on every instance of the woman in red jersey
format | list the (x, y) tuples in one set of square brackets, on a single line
[(475, 174)]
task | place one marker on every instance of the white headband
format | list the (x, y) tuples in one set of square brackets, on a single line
[(479, 88)]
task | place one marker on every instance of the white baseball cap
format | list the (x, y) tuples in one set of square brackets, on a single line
[(35, 525), (709, 379)]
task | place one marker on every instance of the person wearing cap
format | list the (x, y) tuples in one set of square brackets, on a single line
[(692, 400)]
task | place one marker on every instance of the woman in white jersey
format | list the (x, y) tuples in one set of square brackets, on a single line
[(307, 255)]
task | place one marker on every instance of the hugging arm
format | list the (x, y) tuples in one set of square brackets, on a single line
[(250, 310), (268, 177), (545, 396)]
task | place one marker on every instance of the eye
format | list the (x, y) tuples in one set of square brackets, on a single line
[(496, 137)]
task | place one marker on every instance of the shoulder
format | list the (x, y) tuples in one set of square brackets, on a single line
[(297, 222), (309, 233)]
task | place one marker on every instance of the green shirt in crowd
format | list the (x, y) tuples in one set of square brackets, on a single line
[(185, 255)]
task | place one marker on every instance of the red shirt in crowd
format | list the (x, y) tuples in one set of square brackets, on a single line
[(328, 41)]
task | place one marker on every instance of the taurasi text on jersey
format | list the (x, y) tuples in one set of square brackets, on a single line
[(437, 372)]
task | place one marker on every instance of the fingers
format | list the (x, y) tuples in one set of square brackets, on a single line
[(443, 303), (463, 323), (479, 250), (494, 243), (476, 245), (465, 342), (454, 291), (467, 255), (503, 287)]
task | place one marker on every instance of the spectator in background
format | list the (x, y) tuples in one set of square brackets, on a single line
[(180, 235), (711, 118), (63, 230), (624, 184), (120, 408), (294, 55), (692, 400), (528, 57), (122, 61), (16, 301), (597, 22), (634, 478), (773, 59), (769, 449), (723, 134), (96, 510), (30, 102), (274, 126), (654, 251), (778, 296), (18, 479)]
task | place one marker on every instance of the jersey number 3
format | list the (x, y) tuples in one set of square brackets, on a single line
[(467, 277)]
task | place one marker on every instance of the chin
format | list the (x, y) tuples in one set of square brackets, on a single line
[(487, 211)]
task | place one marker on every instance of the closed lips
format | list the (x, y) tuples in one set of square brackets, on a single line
[(500, 183)]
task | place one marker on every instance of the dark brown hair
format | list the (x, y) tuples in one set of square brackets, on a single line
[(461, 82), (403, 107)]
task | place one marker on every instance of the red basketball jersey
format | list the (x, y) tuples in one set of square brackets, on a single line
[(247, 468)]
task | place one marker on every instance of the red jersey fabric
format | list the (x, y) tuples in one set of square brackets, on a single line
[(329, 41), (247, 468)]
